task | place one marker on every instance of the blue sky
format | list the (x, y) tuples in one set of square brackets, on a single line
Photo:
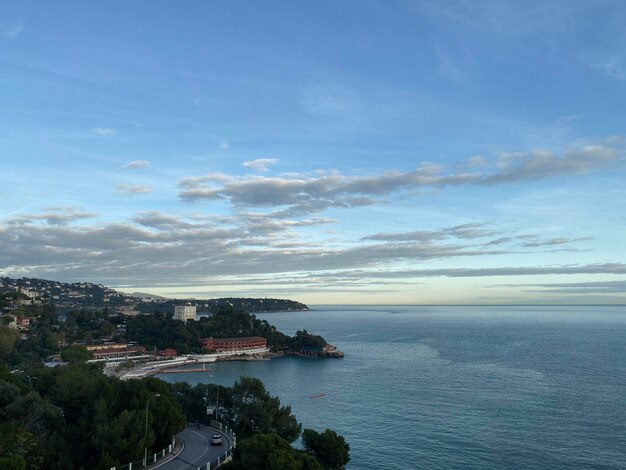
[(330, 151)]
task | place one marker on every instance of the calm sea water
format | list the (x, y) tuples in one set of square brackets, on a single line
[(458, 387)]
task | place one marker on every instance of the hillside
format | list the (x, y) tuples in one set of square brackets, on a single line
[(90, 296)]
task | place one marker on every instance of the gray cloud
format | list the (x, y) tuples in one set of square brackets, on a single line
[(158, 220), (251, 248), (597, 287), (311, 193), (52, 216), (154, 247), (465, 231), (601, 268), (554, 242), (545, 164)]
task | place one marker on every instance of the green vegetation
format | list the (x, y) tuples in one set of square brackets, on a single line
[(79, 418), (265, 428), (76, 354), (89, 296), (161, 331), (303, 339), (8, 340), (329, 448), (270, 452), (246, 407)]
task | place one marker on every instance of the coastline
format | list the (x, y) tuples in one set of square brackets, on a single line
[(151, 368)]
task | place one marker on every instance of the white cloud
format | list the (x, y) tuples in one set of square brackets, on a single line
[(224, 145), (318, 191), (136, 164), (14, 30), (104, 131), (260, 164), (132, 189)]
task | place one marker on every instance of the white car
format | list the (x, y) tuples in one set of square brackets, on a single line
[(216, 440)]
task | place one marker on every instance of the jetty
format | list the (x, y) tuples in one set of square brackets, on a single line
[(181, 371)]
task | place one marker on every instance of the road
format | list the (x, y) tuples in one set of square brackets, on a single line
[(197, 451)]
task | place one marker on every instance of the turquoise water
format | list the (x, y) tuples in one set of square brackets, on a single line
[(458, 387)]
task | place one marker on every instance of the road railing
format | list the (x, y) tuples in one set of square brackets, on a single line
[(150, 460), (227, 455)]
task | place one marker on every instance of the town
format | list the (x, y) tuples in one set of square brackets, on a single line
[(89, 340), (102, 325)]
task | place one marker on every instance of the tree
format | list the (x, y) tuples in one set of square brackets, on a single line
[(270, 452), (8, 339), (306, 339), (76, 354), (329, 448), (256, 411)]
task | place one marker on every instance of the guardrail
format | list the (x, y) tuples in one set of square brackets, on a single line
[(220, 460), (151, 460), (228, 454)]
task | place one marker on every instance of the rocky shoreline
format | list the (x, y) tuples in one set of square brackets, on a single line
[(331, 354)]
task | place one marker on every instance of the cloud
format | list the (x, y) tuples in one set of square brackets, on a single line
[(321, 190), (154, 245), (104, 131), (14, 30), (601, 268), (554, 242), (248, 248), (161, 221), (52, 216), (544, 164), (136, 164), (597, 287), (613, 66), (465, 231), (224, 145), (260, 164), (132, 189)]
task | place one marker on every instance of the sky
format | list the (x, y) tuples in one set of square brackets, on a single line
[(331, 152)]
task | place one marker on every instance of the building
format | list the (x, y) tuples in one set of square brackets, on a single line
[(115, 350), (253, 344), (185, 312), (23, 323), (168, 353)]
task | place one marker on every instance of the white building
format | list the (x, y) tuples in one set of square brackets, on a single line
[(185, 312)]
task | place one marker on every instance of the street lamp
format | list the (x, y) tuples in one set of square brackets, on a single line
[(217, 401), (145, 455)]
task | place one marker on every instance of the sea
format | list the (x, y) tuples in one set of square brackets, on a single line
[(457, 387)]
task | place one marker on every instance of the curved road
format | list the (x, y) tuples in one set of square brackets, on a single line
[(197, 451)]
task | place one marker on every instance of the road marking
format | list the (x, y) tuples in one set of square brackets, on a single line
[(207, 445)]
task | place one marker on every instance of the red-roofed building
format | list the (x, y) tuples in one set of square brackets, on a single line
[(250, 344), (168, 353)]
